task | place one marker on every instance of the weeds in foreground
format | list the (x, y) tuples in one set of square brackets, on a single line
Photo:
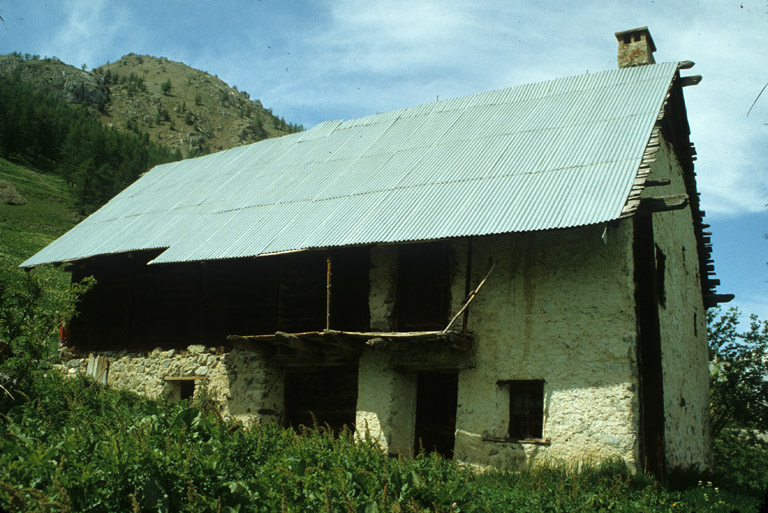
[(73, 445)]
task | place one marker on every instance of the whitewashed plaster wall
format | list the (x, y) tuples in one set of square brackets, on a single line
[(558, 306)]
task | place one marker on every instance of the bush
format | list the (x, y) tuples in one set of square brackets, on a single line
[(165, 87), (32, 305), (741, 461)]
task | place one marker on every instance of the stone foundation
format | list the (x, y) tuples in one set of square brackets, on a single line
[(238, 382)]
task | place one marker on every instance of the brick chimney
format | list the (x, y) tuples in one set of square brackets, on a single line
[(635, 47)]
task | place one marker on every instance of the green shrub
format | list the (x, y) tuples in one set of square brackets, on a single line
[(73, 445), (741, 461)]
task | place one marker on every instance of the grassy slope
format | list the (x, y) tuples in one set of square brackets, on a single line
[(25, 229)]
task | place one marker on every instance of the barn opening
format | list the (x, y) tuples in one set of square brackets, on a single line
[(182, 387), (652, 435), (436, 400), (140, 307), (423, 287), (325, 396)]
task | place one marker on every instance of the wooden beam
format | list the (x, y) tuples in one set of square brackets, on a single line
[(657, 183), (328, 291), (295, 343), (467, 286), (271, 336), (469, 299), (414, 335), (690, 81), (712, 300), (664, 203), (311, 342)]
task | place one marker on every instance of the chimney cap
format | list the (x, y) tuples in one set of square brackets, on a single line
[(640, 30)]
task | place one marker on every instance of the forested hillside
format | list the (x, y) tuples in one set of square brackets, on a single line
[(184, 108), (174, 105), (67, 141)]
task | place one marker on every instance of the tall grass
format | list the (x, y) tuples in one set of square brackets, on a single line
[(73, 445)]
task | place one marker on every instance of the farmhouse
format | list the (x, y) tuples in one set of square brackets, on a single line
[(515, 274)]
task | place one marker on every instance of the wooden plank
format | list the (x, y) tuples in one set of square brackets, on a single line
[(664, 203), (295, 343), (690, 81), (328, 291), (657, 183), (712, 300)]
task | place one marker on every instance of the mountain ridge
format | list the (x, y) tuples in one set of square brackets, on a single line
[(174, 104)]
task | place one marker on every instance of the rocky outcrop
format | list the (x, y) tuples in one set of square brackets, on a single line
[(51, 76), (9, 195)]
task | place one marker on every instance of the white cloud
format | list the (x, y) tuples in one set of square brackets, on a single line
[(87, 30)]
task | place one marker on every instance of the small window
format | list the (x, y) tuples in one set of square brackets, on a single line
[(182, 387), (186, 389), (526, 409)]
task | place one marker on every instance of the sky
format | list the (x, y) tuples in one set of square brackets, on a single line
[(343, 59)]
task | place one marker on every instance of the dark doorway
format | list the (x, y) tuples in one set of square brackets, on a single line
[(436, 398), (647, 296), (349, 289), (325, 396), (423, 287)]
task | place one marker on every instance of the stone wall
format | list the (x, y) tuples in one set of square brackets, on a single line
[(682, 319), (239, 382)]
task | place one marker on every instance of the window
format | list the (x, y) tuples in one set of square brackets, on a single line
[(526, 409), (182, 387)]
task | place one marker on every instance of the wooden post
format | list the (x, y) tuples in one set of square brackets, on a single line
[(328, 291), (467, 285), (469, 299)]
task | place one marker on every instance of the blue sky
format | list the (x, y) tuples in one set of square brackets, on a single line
[(314, 61)]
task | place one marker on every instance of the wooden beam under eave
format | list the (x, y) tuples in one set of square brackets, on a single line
[(664, 203), (657, 183), (350, 342), (690, 80), (712, 300)]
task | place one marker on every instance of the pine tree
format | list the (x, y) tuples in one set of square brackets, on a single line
[(165, 87)]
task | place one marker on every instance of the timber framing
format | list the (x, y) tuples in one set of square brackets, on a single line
[(672, 122), (331, 346)]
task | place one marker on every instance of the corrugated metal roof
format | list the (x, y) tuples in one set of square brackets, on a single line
[(555, 154)]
